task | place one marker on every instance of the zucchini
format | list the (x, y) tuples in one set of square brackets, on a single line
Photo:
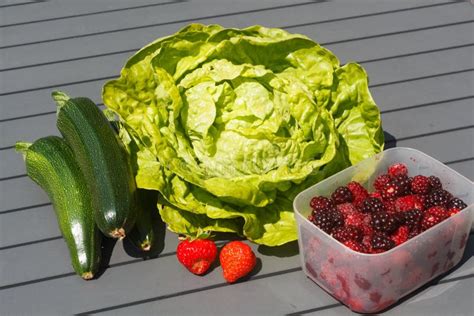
[(50, 163), (103, 160), (143, 236)]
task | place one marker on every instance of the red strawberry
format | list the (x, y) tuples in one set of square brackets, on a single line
[(359, 193), (409, 202), (397, 169), (197, 255), (237, 260), (420, 185), (400, 235)]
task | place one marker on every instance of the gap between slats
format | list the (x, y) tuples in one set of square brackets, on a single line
[(238, 13)]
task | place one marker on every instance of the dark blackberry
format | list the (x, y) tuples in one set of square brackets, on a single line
[(435, 183), (414, 232), (347, 233), (321, 203), (411, 218), (438, 198), (381, 242), (328, 220), (384, 222), (372, 205), (403, 184), (342, 195), (456, 203)]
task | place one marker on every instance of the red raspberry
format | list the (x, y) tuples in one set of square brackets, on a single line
[(453, 211), (354, 219), (376, 194), (381, 181), (356, 246), (409, 202), (346, 209), (347, 233), (389, 206), (420, 185), (359, 193), (400, 235), (397, 169), (438, 211), (430, 220)]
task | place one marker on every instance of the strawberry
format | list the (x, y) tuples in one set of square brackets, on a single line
[(359, 193), (237, 260), (397, 169), (197, 255), (409, 202)]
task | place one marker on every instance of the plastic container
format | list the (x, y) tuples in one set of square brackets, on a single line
[(368, 283)]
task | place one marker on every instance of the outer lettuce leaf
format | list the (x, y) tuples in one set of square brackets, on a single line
[(229, 125)]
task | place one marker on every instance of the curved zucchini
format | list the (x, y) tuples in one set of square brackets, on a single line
[(102, 158), (50, 163)]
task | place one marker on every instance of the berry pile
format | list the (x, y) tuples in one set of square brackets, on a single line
[(400, 208)]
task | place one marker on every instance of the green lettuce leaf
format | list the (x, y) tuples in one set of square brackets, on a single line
[(230, 124)]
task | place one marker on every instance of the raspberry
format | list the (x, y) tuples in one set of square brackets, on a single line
[(381, 181), (420, 185), (430, 220), (389, 206), (346, 209), (347, 233), (342, 195), (435, 183), (438, 198), (372, 205), (397, 169), (356, 246), (400, 235), (453, 211), (354, 219), (376, 194), (456, 203), (383, 222), (412, 218), (359, 193), (321, 203), (438, 211), (408, 202), (328, 220), (381, 243)]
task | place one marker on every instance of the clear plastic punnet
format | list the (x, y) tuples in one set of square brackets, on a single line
[(369, 283)]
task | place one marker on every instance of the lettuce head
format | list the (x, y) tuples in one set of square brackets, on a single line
[(230, 124)]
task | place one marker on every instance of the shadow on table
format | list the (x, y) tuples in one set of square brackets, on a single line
[(468, 253), (390, 140)]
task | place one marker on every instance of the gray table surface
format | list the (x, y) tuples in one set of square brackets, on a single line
[(419, 57)]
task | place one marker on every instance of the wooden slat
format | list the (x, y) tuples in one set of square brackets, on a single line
[(50, 9), (265, 13)]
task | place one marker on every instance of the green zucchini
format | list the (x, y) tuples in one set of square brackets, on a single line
[(103, 160), (50, 163), (143, 235)]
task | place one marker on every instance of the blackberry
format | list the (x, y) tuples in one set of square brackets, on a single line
[(372, 205), (381, 242), (321, 203), (411, 218), (456, 203), (438, 198), (328, 220), (384, 222), (420, 185), (414, 232), (435, 183), (342, 195), (347, 233), (403, 183)]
